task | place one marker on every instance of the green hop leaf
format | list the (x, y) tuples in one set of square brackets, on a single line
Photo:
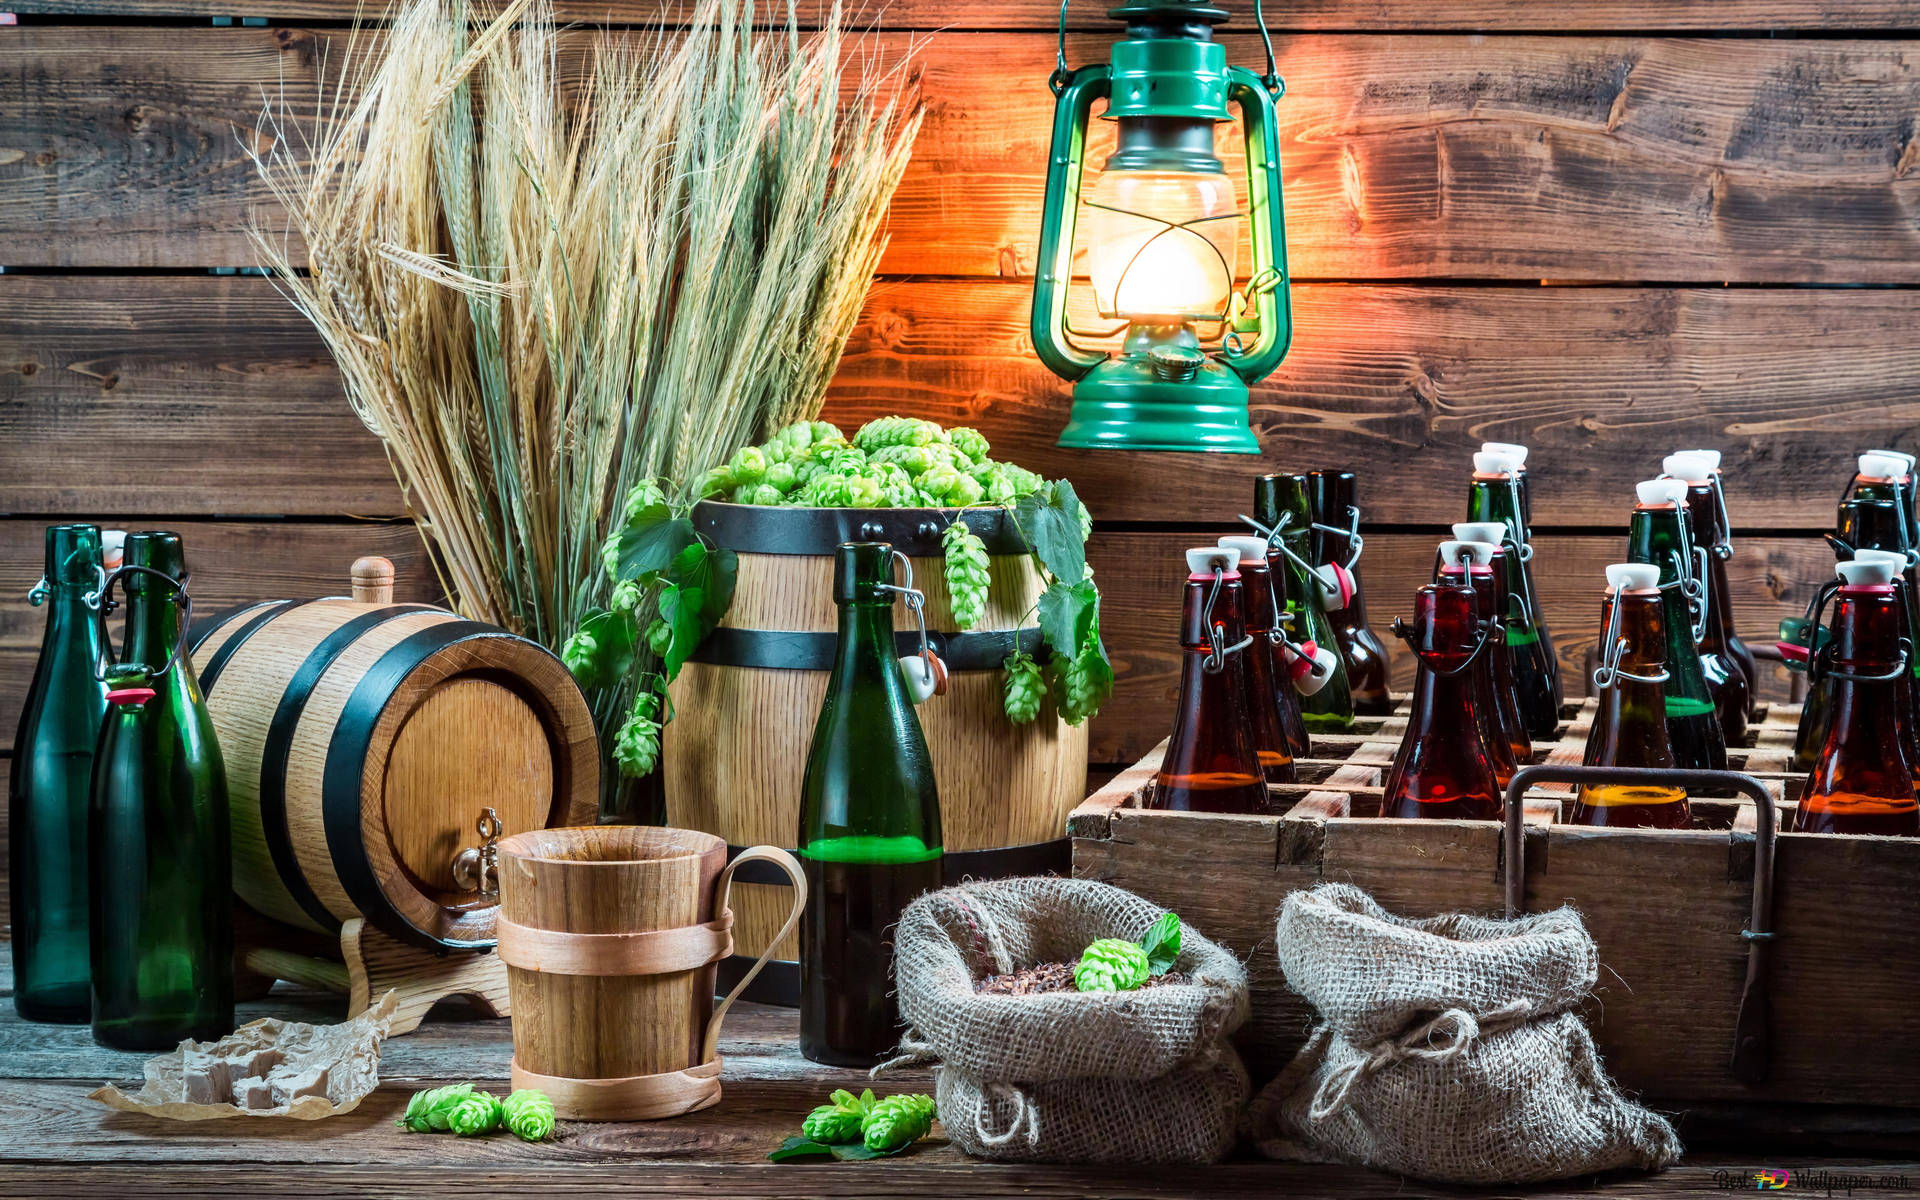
[(649, 544), (1051, 521), (474, 1115), (1162, 943), (528, 1115), (967, 571), (799, 1147), (1112, 965), (1024, 688), (896, 1122), (1067, 613)]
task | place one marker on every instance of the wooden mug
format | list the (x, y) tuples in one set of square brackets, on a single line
[(610, 935)]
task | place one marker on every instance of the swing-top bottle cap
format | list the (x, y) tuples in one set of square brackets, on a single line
[(1690, 466), (1201, 561), (1250, 549), (1652, 493), (1865, 572), (1482, 531), (1902, 455), (113, 548), (130, 695), (1491, 462), (1893, 558), (1712, 457), (1478, 554), (1879, 464), (1512, 450), (1633, 577)]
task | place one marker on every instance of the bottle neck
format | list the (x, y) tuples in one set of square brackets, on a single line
[(1866, 631), (1229, 612), (1262, 602), (1654, 538), (866, 637), (1496, 500), (153, 625)]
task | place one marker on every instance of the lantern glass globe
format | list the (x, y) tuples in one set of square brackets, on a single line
[(1161, 245)]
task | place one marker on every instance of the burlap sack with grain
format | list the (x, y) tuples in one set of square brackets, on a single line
[(1449, 1049), (1130, 1077)]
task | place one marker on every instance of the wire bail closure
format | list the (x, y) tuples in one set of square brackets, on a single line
[(1351, 533), (1609, 673), (1216, 659), (107, 605)]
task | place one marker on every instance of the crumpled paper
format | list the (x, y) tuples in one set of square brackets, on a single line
[(350, 1051)]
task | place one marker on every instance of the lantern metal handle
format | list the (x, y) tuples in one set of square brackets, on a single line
[(1066, 167), (1272, 302)]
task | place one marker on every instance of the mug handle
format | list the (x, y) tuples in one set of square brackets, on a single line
[(723, 889)]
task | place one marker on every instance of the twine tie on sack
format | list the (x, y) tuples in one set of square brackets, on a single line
[(911, 1052), (1025, 1115), (1458, 1026)]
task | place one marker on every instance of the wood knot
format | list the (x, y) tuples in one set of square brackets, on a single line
[(109, 381), (890, 328), (29, 368), (139, 117), (45, 158)]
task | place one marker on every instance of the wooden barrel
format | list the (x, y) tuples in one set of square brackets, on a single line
[(363, 742), (744, 709)]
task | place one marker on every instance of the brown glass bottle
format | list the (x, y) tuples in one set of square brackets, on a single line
[(1800, 640), (1867, 526), (1657, 534), (1728, 686), (1212, 764), (1906, 692), (1630, 728), (1469, 565), (1267, 691), (1862, 781), (1719, 594), (1333, 496), (1441, 768), (1505, 688)]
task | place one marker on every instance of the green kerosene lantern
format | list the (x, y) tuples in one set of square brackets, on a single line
[(1162, 233)]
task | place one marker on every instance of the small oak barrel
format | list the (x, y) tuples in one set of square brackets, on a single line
[(364, 741), (745, 707)]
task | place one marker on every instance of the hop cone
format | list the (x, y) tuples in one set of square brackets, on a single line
[(427, 1110), (965, 490), (896, 431), (832, 1124), (747, 465), (529, 1115), (1112, 965), (474, 1115), (636, 747), (970, 442), (1024, 689), (659, 636), (967, 577), (1081, 686), (714, 482), (782, 475), (581, 654), (939, 480), (642, 496), (896, 1121), (914, 460), (827, 431), (625, 597)]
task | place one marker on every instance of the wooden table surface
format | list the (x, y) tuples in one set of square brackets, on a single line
[(54, 1141)]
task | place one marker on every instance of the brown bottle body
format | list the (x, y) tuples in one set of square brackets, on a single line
[(1442, 768), (1332, 494), (1862, 781), (1728, 683), (1494, 735), (1212, 764), (1630, 728), (1274, 708)]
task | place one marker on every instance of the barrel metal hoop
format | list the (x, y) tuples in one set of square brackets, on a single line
[(228, 648), (799, 650), (277, 746), (340, 782), (763, 529), (206, 627)]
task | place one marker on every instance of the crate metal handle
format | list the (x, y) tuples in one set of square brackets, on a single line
[(1751, 1047)]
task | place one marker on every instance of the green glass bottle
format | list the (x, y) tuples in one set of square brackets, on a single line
[(161, 877), (47, 795), (1280, 502), (1656, 535), (1496, 494), (869, 824)]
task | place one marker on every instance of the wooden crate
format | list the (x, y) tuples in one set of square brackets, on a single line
[(1667, 908)]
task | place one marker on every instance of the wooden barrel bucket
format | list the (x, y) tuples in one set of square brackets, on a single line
[(363, 742), (611, 935), (744, 708)]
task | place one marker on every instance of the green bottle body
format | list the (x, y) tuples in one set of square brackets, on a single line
[(47, 794), (1330, 708), (869, 825), (1693, 726), (161, 871), (1529, 646)]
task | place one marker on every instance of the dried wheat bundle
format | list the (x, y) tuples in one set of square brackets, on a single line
[(551, 264)]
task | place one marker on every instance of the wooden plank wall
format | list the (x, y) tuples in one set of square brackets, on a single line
[(1610, 230)]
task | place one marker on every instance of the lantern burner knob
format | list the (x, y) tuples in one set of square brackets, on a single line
[(1176, 364)]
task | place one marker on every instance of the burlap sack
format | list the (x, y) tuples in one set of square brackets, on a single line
[(1128, 1077), (1449, 1049)]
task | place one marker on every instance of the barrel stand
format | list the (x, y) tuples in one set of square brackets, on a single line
[(364, 964)]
